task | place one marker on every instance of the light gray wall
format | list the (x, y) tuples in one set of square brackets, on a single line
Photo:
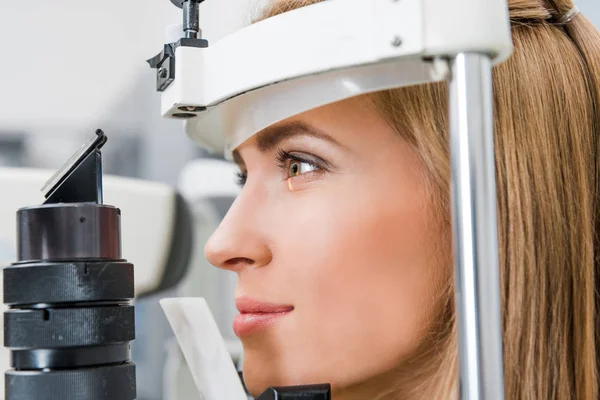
[(70, 66), (591, 9)]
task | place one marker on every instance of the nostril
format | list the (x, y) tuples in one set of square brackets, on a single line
[(233, 262)]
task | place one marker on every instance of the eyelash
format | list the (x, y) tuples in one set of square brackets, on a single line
[(283, 157), (241, 178)]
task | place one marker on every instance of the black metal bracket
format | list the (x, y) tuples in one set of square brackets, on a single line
[(164, 62)]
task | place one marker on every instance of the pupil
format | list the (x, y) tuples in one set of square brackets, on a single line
[(295, 168)]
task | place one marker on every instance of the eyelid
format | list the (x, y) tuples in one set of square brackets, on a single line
[(241, 167), (299, 156), (283, 158)]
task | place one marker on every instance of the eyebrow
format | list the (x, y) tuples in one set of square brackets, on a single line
[(270, 137)]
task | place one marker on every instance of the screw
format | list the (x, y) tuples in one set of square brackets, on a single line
[(184, 115), (162, 73), (397, 42), (191, 108)]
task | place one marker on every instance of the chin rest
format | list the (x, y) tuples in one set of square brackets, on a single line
[(308, 392)]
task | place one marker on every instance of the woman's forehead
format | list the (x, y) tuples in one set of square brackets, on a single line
[(351, 125), (337, 114)]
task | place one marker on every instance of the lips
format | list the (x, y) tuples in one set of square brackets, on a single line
[(255, 315)]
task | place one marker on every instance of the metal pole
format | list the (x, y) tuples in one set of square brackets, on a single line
[(475, 228)]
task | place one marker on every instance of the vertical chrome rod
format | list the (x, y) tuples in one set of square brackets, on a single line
[(475, 228)]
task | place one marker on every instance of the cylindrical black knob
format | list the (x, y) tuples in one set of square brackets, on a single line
[(33, 283), (70, 320), (69, 231), (70, 327), (115, 382)]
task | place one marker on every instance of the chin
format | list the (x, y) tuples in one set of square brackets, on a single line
[(262, 373), (257, 380)]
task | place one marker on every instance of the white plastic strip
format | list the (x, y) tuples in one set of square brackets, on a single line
[(203, 348), (226, 126)]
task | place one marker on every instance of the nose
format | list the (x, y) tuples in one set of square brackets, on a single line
[(238, 242)]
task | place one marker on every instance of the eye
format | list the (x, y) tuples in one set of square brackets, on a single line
[(296, 164), (296, 168), (241, 178)]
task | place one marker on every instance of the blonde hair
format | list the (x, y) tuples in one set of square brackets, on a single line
[(547, 126)]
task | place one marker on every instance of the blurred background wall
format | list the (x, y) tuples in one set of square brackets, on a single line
[(68, 67)]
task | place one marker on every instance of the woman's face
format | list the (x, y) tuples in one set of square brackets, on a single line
[(336, 249)]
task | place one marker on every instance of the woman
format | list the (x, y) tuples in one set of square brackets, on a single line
[(341, 236)]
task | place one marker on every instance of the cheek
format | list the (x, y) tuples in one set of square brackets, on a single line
[(361, 266)]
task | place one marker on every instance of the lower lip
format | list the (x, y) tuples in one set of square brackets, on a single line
[(246, 324)]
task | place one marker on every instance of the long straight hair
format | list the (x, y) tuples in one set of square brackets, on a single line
[(547, 127)]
